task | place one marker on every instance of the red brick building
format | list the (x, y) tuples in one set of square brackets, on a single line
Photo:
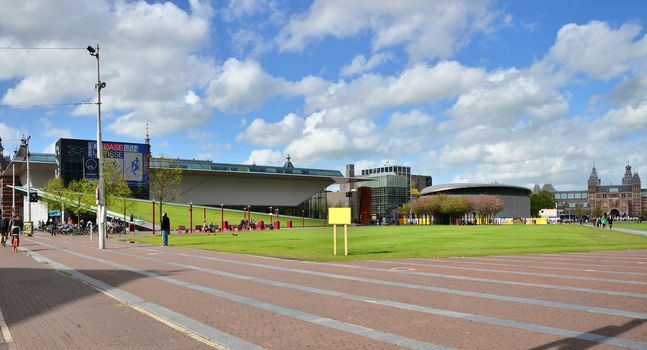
[(626, 199)]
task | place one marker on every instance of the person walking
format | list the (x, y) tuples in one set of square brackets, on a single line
[(610, 222), (166, 227), (4, 230)]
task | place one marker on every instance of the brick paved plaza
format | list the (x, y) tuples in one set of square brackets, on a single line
[(63, 293)]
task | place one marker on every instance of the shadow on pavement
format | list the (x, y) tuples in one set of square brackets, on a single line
[(580, 344)]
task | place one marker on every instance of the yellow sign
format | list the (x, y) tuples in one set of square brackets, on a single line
[(27, 228), (339, 216)]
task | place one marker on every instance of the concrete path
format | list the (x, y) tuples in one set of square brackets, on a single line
[(63, 293)]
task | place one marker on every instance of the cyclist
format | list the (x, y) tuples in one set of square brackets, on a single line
[(16, 228)]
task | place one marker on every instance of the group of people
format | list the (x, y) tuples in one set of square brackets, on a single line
[(603, 220), (11, 227)]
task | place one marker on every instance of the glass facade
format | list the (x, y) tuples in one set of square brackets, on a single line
[(388, 193)]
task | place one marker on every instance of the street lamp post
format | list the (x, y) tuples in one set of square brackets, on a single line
[(101, 211), (13, 190), (222, 216), (25, 142)]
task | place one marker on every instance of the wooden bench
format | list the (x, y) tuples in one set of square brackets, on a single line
[(198, 228), (181, 229)]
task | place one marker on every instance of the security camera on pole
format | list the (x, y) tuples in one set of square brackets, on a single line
[(101, 210)]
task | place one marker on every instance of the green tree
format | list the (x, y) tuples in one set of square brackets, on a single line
[(578, 210), (117, 193), (164, 182), (55, 193), (596, 212), (80, 194), (541, 200)]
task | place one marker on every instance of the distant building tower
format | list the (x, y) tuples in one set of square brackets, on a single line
[(548, 188), (147, 139), (536, 189), (626, 180), (637, 204), (594, 182), (288, 163)]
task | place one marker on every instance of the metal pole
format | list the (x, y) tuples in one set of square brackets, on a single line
[(190, 217), (101, 211), (303, 219), (222, 217), (13, 190), (153, 217), (28, 182)]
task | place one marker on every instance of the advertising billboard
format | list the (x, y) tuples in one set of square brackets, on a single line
[(77, 159), (130, 159)]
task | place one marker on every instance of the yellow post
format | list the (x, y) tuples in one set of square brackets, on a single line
[(345, 239), (334, 239)]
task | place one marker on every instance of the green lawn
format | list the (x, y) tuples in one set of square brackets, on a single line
[(641, 226), (397, 242), (179, 215)]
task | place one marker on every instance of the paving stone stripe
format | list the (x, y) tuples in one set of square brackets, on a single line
[(455, 277), (431, 263), (591, 260), (303, 316), (593, 279), (602, 254), (521, 261), (435, 311), (440, 312), (557, 305), (426, 274), (213, 337)]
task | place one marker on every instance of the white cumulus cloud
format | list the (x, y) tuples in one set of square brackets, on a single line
[(426, 29), (266, 134)]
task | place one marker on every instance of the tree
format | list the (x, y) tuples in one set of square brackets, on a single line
[(164, 182), (80, 193), (486, 206), (541, 200), (578, 210), (55, 190), (596, 212), (117, 193)]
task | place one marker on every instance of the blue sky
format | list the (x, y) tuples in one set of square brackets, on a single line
[(517, 92)]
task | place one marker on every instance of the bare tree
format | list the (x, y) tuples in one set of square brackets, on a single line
[(164, 182)]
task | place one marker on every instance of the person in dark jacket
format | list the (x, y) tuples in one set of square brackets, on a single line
[(166, 228), (4, 230)]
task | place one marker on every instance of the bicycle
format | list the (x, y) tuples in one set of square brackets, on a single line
[(14, 242)]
